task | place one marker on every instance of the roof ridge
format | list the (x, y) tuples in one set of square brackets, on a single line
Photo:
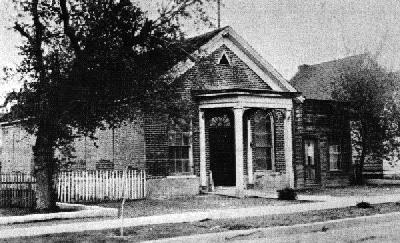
[(211, 32), (335, 60)]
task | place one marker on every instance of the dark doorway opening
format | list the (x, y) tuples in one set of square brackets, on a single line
[(222, 149), (311, 161)]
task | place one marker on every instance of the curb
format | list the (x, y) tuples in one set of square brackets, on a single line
[(276, 232), (83, 212)]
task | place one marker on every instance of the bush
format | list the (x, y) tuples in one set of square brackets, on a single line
[(287, 194), (364, 205)]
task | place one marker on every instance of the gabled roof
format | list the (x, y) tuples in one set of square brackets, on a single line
[(194, 43), (316, 81), (203, 45)]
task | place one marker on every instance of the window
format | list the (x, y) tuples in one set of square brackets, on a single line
[(263, 146), (220, 121), (224, 60), (334, 157), (179, 148)]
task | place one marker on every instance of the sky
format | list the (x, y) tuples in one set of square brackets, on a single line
[(287, 33)]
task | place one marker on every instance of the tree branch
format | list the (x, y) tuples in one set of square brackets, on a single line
[(38, 40), (18, 27), (168, 14), (69, 31)]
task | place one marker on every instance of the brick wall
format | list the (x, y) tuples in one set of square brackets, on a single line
[(276, 178), (321, 120), (206, 74), (16, 153), (172, 187), (122, 147), (156, 140)]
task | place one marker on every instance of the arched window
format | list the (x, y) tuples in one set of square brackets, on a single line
[(263, 141), (220, 121)]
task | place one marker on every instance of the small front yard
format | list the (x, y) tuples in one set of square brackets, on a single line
[(149, 207), (5, 212), (359, 191), (152, 232)]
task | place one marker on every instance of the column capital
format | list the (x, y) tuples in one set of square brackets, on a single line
[(288, 114), (201, 113), (238, 108)]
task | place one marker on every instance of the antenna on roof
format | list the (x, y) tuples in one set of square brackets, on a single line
[(219, 13)]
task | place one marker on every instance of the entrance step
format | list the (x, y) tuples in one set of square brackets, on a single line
[(233, 192)]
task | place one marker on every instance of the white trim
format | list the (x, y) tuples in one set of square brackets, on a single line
[(202, 143), (181, 176), (250, 175), (245, 52), (238, 119), (247, 101), (288, 140), (253, 66), (273, 167), (258, 58), (191, 162)]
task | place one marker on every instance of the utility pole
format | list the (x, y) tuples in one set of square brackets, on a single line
[(219, 13)]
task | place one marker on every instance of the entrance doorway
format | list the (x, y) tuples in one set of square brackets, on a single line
[(222, 149), (311, 161)]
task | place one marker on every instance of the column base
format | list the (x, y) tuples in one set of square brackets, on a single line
[(203, 189), (250, 186), (240, 193)]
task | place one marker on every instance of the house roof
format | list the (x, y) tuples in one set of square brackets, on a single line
[(316, 81), (194, 43), (203, 45)]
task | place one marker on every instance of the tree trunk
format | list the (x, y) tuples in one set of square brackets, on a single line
[(45, 168), (359, 177)]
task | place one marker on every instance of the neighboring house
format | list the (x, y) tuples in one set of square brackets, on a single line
[(16, 153), (327, 122), (249, 128)]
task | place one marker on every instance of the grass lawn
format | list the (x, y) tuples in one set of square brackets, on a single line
[(354, 191), (149, 207), (5, 212), (135, 234)]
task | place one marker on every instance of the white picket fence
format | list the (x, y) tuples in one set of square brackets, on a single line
[(100, 185), (17, 190)]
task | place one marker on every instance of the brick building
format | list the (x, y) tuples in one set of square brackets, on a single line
[(248, 128)]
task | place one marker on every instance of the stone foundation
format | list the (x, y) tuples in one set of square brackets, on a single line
[(270, 181), (171, 187)]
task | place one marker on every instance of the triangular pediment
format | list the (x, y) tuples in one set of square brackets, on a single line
[(227, 38)]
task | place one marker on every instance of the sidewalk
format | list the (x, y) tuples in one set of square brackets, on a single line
[(332, 202), (294, 232)]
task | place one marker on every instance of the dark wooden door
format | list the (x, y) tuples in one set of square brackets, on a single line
[(311, 161), (222, 154)]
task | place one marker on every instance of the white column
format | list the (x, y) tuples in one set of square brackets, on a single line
[(238, 113), (202, 143), (191, 163), (249, 154), (289, 147)]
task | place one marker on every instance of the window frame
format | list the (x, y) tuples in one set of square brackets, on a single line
[(181, 146), (338, 153), (222, 55), (253, 146)]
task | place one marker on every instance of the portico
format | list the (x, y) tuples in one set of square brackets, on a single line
[(251, 148)]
